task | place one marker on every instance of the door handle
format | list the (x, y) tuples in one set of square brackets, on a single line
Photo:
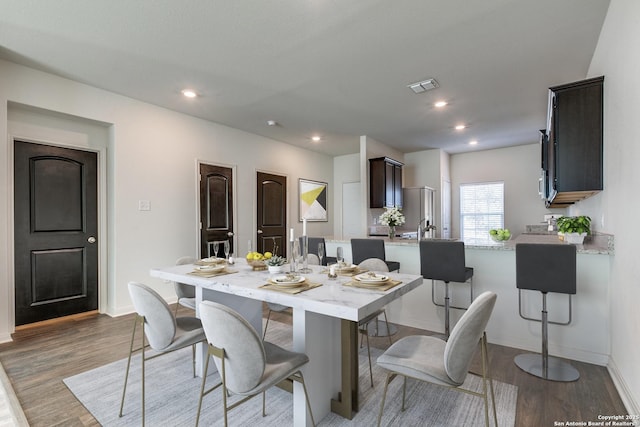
[(91, 239), (259, 231), (230, 234)]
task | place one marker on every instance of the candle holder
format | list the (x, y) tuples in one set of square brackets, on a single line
[(293, 255), (305, 252)]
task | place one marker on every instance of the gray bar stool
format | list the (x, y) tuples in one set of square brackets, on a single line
[(444, 260), (546, 268)]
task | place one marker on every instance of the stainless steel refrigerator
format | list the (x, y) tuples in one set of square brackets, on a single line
[(418, 207)]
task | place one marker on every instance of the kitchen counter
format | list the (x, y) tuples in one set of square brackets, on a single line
[(587, 337), (602, 244)]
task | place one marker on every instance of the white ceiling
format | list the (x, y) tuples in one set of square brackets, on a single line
[(338, 68)]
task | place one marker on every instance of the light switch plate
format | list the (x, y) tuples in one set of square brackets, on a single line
[(144, 205)]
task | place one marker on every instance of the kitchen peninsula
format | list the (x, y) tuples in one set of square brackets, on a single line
[(586, 339)]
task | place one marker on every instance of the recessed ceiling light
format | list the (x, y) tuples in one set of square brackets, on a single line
[(189, 93), (440, 104), (473, 142), (272, 122), (460, 127), (316, 138)]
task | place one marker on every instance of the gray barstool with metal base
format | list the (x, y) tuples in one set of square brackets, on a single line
[(546, 268), (444, 260)]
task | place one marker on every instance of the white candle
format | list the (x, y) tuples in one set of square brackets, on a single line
[(304, 226), (291, 235)]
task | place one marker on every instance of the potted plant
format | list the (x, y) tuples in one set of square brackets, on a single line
[(574, 228), (275, 264)]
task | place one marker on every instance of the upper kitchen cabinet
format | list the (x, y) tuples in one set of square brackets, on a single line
[(385, 182), (574, 150)]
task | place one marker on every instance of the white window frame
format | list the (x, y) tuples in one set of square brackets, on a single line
[(485, 215)]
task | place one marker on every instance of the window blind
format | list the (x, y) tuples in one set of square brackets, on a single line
[(481, 209)]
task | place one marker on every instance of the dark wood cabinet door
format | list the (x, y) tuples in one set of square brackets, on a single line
[(385, 183), (575, 152), (272, 213), (56, 232), (216, 209)]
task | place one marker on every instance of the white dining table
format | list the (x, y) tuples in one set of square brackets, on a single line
[(325, 325)]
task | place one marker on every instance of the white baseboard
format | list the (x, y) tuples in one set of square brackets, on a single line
[(631, 404)]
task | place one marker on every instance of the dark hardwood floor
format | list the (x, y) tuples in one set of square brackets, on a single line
[(40, 357)]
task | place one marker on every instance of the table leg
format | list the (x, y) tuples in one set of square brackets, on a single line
[(347, 402), (317, 336)]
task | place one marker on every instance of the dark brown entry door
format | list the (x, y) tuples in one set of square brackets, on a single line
[(216, 209), (56, 250), (272, 213)]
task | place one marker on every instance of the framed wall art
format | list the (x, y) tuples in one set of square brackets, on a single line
[(313, 200)]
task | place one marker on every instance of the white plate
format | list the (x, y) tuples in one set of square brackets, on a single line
[(212, 260), (371, 278), (348, 268), (285, 281), (210, 268)]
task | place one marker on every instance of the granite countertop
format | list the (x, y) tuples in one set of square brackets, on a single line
[(598, 244)]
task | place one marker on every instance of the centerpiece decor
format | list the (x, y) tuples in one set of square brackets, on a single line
[(392, 217)]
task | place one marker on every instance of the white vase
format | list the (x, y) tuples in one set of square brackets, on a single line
[(273, 269), (574, 238)]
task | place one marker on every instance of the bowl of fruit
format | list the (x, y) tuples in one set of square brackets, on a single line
[(257, 261), (500, 234)]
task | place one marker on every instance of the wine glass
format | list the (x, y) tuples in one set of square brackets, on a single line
[(296, 253), (216, 247), (227, 248), (321, 252), (339, 255)]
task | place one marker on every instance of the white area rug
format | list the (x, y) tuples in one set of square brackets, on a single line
[(172, 397)]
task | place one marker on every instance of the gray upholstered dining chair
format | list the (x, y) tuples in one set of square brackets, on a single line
[(313, 243), (247, 365), (362, 249), (373, 264), (186, 293), (445, 363), (279, 308), (163, 332)]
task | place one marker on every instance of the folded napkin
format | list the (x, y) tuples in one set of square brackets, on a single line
[(384, 286), (306, 285), (201, 273)]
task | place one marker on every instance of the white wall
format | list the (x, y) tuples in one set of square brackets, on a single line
[(617, 207), (152, 154), (518, 167), (346, 169)]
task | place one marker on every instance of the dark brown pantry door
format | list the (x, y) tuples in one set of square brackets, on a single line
[(272, 213), (216, 209), (55, 231)]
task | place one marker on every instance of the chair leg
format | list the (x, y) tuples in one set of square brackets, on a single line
[(404, 391), (486, 374), (264, 334), (446, 309), (142, 357), (193, 359), (126, 375), (202, 387), (369, 354), (386, 321), (384, 396), (177, 305), (264, 397)]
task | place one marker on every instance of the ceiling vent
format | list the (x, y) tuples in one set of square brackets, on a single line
[(423, 86)]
